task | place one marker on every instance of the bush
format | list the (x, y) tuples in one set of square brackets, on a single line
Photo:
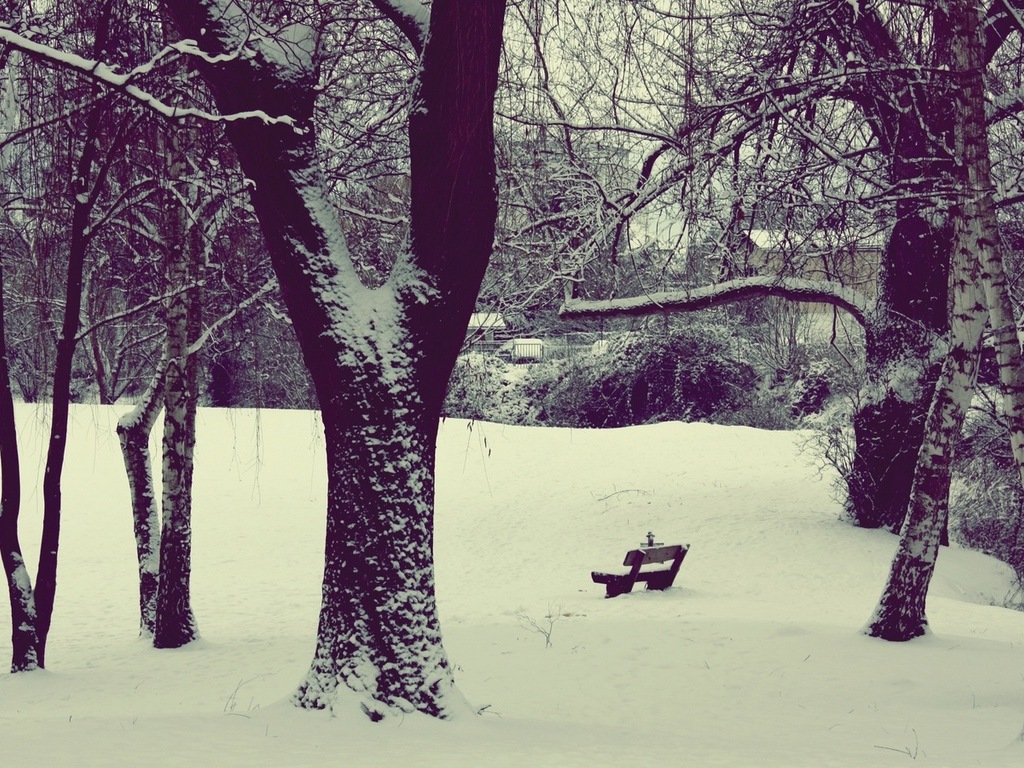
[(987, 500), (485, 387), (696, 372), (688, 375)]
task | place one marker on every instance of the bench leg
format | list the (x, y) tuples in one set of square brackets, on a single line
[(660, 580), (620, 586)]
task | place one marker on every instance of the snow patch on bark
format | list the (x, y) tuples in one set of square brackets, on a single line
[(367, 324)]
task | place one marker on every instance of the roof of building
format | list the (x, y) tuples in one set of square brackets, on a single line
[(488, 321)]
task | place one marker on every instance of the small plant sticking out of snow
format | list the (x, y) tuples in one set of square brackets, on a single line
[(231, 705), (543, 627), (911, 753)]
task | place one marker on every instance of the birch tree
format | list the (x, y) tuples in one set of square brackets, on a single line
[(175, 624), (901, 613), (94, 209)]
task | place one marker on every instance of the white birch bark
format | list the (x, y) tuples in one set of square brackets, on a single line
[(970, 57), (133, 432), (175, 624), (901, 614), (978, 169)]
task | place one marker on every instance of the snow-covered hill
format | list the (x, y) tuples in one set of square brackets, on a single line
[(754, 659)]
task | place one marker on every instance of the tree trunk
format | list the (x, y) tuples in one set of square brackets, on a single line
[(175, 624), (978, 167), (46, 575), (900, 614), (133, 432), (912, 124), (86, 190), (379, 358), (24, 640), (910, 317)]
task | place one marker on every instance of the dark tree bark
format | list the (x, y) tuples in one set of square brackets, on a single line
[(909, 319), (379, 358), (24, 640), (914, 127), (46, 575), (90, 176)]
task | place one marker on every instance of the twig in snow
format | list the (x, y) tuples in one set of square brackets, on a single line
[(906, 750), (641, 491), (543, 628)]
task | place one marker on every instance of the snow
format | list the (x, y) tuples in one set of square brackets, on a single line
[(417, 10), (753, 659)]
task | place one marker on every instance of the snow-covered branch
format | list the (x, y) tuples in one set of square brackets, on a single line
[(789, 288), (370, 216), (412, 17), (210, 330), (123, 81), (124, 314)]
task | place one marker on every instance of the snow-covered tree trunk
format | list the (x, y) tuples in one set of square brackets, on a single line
[(175, 624), (913, 128), (24, 641), (380, 357), (133, 432), (900, 614), (977, 162)]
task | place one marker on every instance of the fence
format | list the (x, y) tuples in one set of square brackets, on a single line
[(525, 351)]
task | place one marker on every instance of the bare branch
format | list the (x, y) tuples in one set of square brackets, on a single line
[(122, 81), (370, 216), (152, 301), (205, 336)]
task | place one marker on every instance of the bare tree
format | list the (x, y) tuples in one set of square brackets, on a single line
[(379, 357), (24, 638), (89, 183), (901, 611)]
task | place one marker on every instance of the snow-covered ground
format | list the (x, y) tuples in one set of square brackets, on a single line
[(754, 659)]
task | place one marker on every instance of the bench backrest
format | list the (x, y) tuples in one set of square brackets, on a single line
[(651, 555)]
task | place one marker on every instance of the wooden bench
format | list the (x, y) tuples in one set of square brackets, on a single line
[(658, 578)]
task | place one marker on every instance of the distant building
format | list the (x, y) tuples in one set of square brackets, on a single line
[(851, 262), (484, 327)]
